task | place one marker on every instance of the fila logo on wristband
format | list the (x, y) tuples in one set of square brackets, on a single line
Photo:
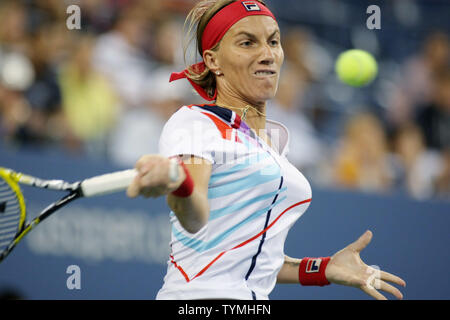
[(313, 265), (311, 271), (251, 6)]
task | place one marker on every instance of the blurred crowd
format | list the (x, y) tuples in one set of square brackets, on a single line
[(102, 91)]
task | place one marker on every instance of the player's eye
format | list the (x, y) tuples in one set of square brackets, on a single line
[(274, 42), (246, 43)]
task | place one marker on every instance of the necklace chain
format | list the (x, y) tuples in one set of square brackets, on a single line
[(244, 113)]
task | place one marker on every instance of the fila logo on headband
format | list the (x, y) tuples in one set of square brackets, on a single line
[(313, 265), (251, 6)]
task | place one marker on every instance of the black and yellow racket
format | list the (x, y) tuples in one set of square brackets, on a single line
[(13, 224)]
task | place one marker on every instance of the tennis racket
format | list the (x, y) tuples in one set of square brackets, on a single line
[(13, 224)]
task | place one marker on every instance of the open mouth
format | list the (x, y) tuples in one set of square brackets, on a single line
[(264, 73)]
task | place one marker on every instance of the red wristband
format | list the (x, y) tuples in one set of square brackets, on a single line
[(187, 187), (311, 271)]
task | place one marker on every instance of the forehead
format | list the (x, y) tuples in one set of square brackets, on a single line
[(256, 25)]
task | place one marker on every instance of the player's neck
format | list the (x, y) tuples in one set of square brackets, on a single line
[(254, 115)]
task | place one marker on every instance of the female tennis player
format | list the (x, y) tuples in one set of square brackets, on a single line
[(233, 194)]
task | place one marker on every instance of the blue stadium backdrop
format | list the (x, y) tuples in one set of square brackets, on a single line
[(121, 245)]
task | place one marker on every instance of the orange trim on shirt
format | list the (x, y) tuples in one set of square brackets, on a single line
[(186, 277), (224, 128)]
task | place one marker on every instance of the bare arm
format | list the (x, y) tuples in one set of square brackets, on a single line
[(153, 181), (347, 268), (289, 271), (193, 211)]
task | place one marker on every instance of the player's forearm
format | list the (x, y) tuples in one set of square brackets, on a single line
[(192, 212), (289, 271)]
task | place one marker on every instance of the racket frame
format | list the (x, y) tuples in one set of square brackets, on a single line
[(95, 186), (13, 179)]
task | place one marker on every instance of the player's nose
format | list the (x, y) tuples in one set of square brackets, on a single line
[(267, 56)]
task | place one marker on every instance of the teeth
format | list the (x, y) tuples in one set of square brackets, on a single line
[(264, 73)]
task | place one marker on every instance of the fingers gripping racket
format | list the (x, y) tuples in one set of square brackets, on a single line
[(13, 224)]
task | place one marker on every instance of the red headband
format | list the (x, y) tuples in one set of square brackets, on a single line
[(216, 28)]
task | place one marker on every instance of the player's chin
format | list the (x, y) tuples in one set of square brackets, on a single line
[(267, 94), (265, 91)]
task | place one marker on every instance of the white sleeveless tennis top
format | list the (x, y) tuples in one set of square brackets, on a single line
[(255, 196)]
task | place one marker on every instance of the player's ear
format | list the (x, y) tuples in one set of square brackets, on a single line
[(211, 60)]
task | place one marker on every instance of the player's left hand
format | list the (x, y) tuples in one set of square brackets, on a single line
[(347, 268)]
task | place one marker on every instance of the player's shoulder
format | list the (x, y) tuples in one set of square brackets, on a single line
[(188, 113), (186, 117)]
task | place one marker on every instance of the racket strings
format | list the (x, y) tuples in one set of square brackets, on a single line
[(10, 214)]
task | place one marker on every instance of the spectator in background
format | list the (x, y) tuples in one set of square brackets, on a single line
[(141, 78), (119, 54), (442, 183), (296, 46), (41, 11), (434, 117), (44, 94), (13, 31), (15, 110), (89, 103), (416, 78), (166, 44), (165, 98), (297, 100), (136, 46), (310, 59), (434, 120), (361, 159), (98, 15), (16, 70), (305, 149), (31, 94), (416, 168)]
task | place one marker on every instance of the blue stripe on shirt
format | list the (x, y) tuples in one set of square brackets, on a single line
[(259, 177), (250, 161), (201, 246), (214, 214)]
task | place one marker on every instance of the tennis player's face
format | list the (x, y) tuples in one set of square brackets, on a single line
[(250, 58)]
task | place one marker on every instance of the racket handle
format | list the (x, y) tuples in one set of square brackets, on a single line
[(107, 183)]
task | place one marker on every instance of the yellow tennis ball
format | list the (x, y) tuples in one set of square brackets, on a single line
[(356, 67)]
